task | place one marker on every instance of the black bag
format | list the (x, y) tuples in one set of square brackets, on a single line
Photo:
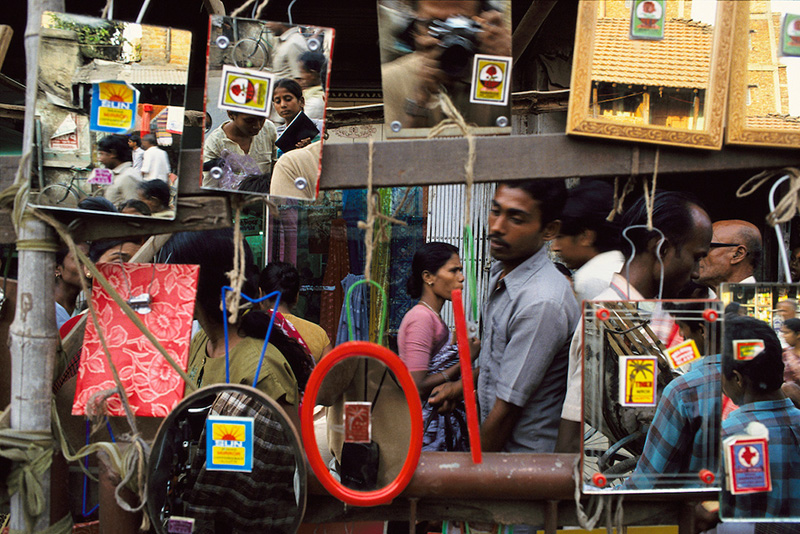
[(360, 461)]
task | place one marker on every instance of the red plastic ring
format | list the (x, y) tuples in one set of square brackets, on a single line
[(353, 349), (706, 475), (710, 315), (603, 314), (599, 480)]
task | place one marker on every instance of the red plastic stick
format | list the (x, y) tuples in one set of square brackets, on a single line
[(353, 349), (466, 378)]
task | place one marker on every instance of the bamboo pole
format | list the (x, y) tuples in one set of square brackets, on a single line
[(33, 332)]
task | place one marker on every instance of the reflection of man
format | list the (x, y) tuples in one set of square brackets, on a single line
[(291, 44), (528, 320), (687, 230), (411, 83), (734, 256), (299, 163), (155, 162)]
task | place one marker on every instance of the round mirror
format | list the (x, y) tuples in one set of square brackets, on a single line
[(366, 419), (227, 460)]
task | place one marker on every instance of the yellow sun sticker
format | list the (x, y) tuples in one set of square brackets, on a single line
[(113, 107), (637, 381), (229, 443)]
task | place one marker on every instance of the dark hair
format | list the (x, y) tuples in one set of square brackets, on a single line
[(587, 208), (156, 189), (550, 194), (291, 86), (281, 276), (101, 246), (61, 253), (732, 309), (116, 144), (765, 371), (150, 138), (792, 324), (315, 62), (138, 205), (691, 314), (97, 204), (563, 269), (256, 183), (136, 138), (213, 251), (672, 214), (429, 257)]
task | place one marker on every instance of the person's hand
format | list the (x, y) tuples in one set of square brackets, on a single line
[(445, 396), (429, 75), (474, 348), (495, 39), (303, 142)]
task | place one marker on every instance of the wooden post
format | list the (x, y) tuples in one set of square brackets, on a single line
[(33, 332)]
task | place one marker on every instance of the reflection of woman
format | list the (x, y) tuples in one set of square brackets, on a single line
[(423, 340), (287, 98), (283, 277), (243, 135), (68, 283), (286, 365), (312, 75)]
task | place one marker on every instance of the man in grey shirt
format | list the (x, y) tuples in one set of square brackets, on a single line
[(528, 320)]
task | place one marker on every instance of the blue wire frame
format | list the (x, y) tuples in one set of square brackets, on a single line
[(277, 296), (86, 465)]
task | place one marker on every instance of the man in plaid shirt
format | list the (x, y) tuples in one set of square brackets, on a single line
[(755, 386)]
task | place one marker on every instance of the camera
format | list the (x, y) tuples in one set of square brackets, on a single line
[(458, 38)]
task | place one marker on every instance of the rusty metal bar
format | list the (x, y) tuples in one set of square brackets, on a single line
[(551, 517)]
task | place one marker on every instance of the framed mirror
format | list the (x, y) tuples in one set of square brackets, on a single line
[(109, 116), (227, 459), (651, 401), (462, 49), (760, 104), (670, 91), (266, 94), (759, 436)]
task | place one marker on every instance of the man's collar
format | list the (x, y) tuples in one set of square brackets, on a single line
[(621, 286), (516, 279)]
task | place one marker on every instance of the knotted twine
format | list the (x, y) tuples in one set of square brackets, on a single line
[(242, 7), (789, 205), (649, 196)]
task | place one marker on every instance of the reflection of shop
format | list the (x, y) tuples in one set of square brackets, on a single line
[(760, 300)]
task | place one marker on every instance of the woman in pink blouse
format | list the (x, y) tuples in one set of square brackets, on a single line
[(435, 273)]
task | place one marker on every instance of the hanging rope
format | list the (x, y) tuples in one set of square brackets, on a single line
[(237, 275), (585, 522), (650, 196), (789, 205), (619, 198), (248, 3)]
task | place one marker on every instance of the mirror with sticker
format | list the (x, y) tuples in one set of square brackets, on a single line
[(651, 396), (362, 424), (461, 49), (759, 432), (227, 459), (266, 94), (109, 116)]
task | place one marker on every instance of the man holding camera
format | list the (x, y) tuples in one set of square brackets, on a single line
[(446, 36)]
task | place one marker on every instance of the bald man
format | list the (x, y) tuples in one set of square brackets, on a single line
[(734, 256)]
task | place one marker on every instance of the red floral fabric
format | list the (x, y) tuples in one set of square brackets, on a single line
[(152, 385)]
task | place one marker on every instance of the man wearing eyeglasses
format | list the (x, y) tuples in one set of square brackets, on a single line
[(734, 256)]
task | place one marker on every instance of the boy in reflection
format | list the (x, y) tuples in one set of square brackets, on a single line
[(244, 135)]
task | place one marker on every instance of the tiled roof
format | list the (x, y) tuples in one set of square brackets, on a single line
[(99, 70), (681, 59), (772, 121)]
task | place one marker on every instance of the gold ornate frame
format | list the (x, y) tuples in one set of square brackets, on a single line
[(738, 133), (579, 121)]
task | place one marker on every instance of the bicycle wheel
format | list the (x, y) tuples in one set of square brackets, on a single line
[(59, 195), (249, 54)]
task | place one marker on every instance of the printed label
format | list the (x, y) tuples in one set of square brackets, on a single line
[(647, 19), (747, 349), (637, 381), (246, 91), (490, 80), (229, 443), (113, 107), (357, 422), (683, 354)]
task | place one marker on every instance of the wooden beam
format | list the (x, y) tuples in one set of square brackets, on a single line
[(6, 32), (529, 25)]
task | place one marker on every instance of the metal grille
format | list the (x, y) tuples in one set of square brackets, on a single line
[(446, 224)]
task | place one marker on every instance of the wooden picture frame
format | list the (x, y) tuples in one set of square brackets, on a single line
[(582, 119), (769, 131)]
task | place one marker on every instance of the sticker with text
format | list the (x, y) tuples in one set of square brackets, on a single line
[(747, 464), (683, 354), (180, 525), (101, 176), (357, 422), (747, 349), (246, 91), (637, 380), (113, 107), (229, 443), (491, 79), (790, 35), (647, 19)]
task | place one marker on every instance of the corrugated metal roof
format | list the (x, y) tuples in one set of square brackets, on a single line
[(99, 70), (773, 121), (681, 59)]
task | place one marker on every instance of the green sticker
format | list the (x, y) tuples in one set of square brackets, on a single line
[(790, 35), (647, 19)]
